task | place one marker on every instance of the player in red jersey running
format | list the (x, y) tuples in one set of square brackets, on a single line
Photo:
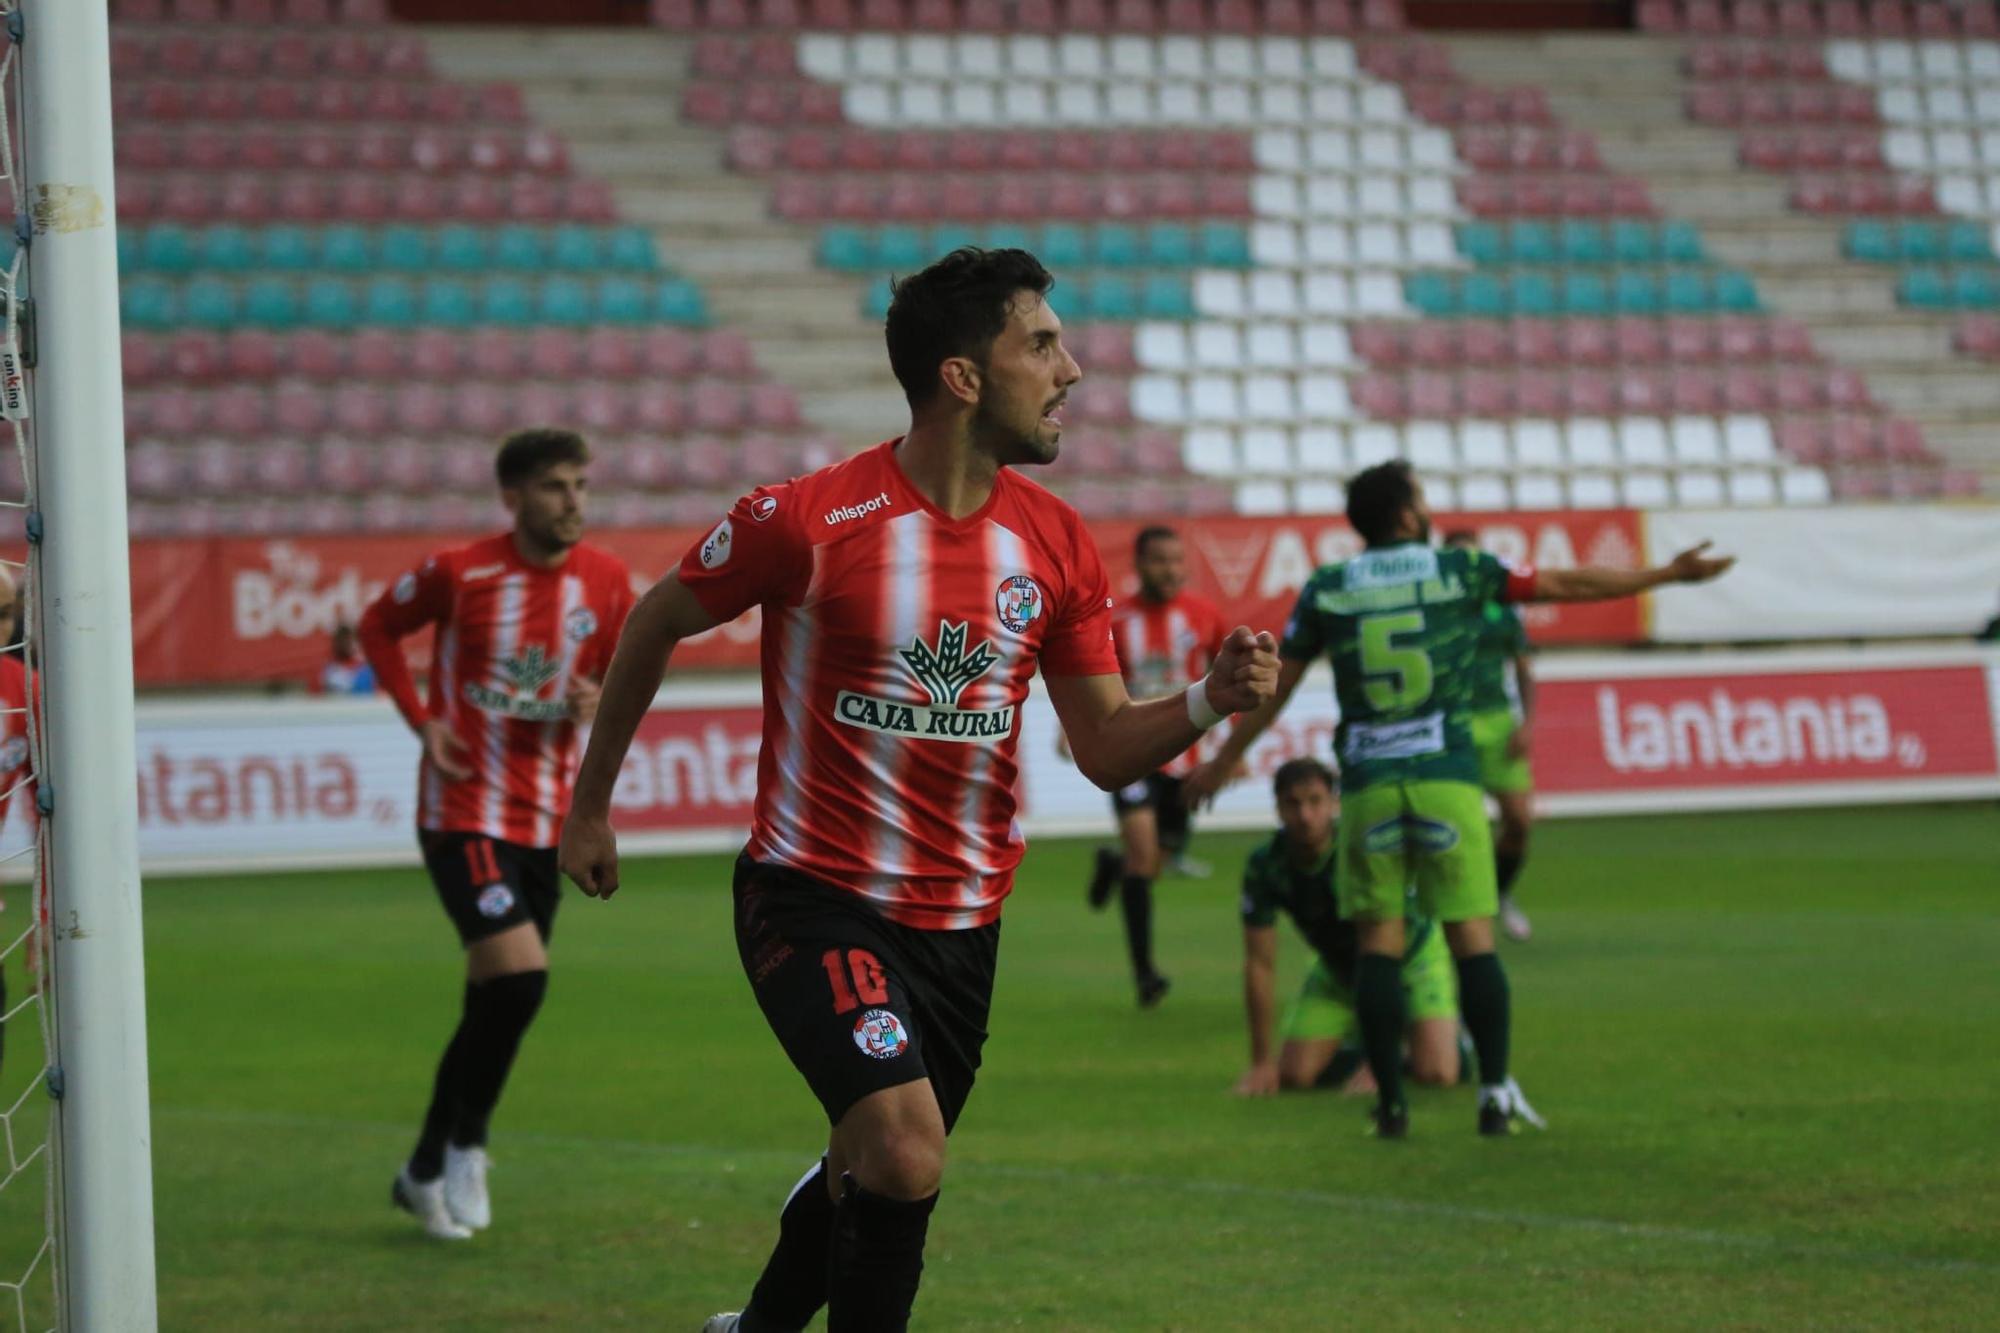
[(525, 624), (909, 594), (1166, 636)]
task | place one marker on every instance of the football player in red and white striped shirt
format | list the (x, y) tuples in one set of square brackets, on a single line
[(17, 771), (909, 594), (1166, 636), (524, 627)]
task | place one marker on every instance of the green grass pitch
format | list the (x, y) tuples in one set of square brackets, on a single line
[(1765, 1044)]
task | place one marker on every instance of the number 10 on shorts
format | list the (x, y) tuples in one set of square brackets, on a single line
[(856, 981)]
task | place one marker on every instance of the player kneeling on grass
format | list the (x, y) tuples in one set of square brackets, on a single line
[(525, 623), (1293, 874)]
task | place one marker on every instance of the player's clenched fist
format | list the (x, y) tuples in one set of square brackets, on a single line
[(589, 855), (1245, 673)]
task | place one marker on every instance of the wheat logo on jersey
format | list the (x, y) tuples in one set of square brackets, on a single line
[(580, 624), (880, 1033), (763, 507), (495, 901), (522, 678), (1019, 602), (944, 671), (716, 549)]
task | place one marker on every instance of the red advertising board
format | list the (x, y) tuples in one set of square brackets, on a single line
[(690, 770), (245, 609), (1774, 727)]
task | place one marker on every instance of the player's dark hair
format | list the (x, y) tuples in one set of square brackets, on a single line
[(1303, 769), (1147, 536), (526, 452), (956, 307), (1465, 537), (1377, 497)]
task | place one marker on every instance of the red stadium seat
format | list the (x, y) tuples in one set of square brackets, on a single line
[(1537, 393), (717, 406), (1591, 394), (141, 358), (281, 467), (660, 408), (155, 470), (1433, 344), (1690, 341), (934, 16), (1535, 342), (1381, 346), (298, 412), (219, 468), (1586, 342), (253, 354), (195, 356), (1380, 396)]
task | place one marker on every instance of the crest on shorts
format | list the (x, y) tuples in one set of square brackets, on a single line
[(1019, 602), (880, 1034), (580, 624), (495, 901), (1409, 831)]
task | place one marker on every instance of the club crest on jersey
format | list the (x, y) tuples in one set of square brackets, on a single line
[(881, 1034), (943, 669), (495, 901), (580, 624), (763, 507), (518, 680), (715, 550), (1019, 602)]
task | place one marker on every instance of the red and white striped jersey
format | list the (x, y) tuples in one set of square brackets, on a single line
[(1164, 647), (511, 636), (15, 765), (898, 644)]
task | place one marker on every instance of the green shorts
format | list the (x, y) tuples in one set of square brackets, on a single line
[(1499, 771), (1428, 835), (1324, 1009)]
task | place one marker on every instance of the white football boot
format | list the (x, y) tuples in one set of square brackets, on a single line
[(424, 1200), (465, 1196), (1514, 921), (721, 1323)]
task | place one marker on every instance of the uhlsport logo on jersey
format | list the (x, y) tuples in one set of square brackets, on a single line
[(715, 550), (880, 1034), (848, 513), (580, 624), (763, 507), (943, 670), (518, 682), (495, 901), (1019, 602)]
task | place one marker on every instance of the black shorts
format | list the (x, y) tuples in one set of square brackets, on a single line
[(488, 885), (859, 1002), (1161, 794)]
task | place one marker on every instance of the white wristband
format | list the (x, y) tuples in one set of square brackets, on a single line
[(1199, 710)]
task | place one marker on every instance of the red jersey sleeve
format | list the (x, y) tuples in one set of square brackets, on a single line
[(420, 597), (1079, 641), (759, 554)]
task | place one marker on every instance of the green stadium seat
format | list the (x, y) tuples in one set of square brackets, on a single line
[(389, 301), (1112, 296), (875, 300), (462, 249), (1065, 246), (1680, 243), (1967, 243), (449, 302), (623, 300), (1532, 292), (1533, 243), (1735, 294), (1585, 292), (1119, 246), (631, 250), (1686, 292), (1975, 288), (330, 304), (846, 249), (230, 248), (292, 249), (347, 249), (1224, 245), (271, 303), (406, 249), (563, 301), (506, 301), (1484, 295), (1583, 243), (1869, 241), (210, 303), (1432, 293), (1008, 236), (1634, 242), (949, 237), (168, 249), (130, 260), (1924, 288), (148, 303), (1170, 245), (1482, 242), (677, 301), (1919, 242), (519, 248), (900, 250), (1167, 296), (576, 249), (1634, 292)]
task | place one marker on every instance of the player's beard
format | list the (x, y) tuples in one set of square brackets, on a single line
[(555, 536), (1009, 444)]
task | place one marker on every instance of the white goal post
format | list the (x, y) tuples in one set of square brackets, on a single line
[(81, 582)]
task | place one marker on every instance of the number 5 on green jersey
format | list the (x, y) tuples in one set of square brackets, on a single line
[(1394, 678)]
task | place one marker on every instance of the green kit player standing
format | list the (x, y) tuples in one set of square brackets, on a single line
[(1503, 711), (1401, 623)]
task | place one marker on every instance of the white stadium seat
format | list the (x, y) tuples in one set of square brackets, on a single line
[(1180, 104), (823, 56), (1030, 55), (1430, 447), (1747, 439), (1538, 444), (1484, 493), (1267, 451), (870, 104), (1325, 344), (1233, 58), (1696, 440), (1592, 490), (1372, 443), (1161, 346), (1377, 292), (1322, 451), (1804, 486), (1311, 496), (1183, 57), (1275, 244), (1282, 58), (1592, 443), (1210, 451), (1330, 150), (1271, 347), (1278, 150), (1325, 398), (1131, 104), (1537, 490), (980, 56), (1216, 347), (1329, 244), (1642, 442), (1330, 104), (1645, 490), (875, 55), (1132, 57), (1333, 58), (1079, 104), (1268, 397), (1214, 398), (1026, 104), (1158, 398), (1273, 294), (1698, 489), (1080, 56), (1484, 444), (1442, 493), (1752, 486), (929, 55), (1263, 498), (1230, 105), (1219, 294), (1327, 294), (1281, 104)]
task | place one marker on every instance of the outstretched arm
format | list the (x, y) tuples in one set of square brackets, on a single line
[(1211, 777), (1260, 1006), (1693, 565)]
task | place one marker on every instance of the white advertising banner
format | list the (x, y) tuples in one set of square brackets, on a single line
[(1875, 571)]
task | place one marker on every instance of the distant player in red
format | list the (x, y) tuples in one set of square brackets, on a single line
[(909, 594), (524, 624), (1166, 636), (17, 772)]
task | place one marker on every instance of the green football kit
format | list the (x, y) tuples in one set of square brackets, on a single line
[(1494, 718)]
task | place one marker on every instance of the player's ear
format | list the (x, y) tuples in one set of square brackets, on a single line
[(961, 378)]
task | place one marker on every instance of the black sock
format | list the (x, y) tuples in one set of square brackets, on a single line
[(1378, 1004), (792, 1287), (1135, 898), (875, 1262), (1483, 1000), (1341, 1068), (501, 1009), (1507, 867), (427, 1161)]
